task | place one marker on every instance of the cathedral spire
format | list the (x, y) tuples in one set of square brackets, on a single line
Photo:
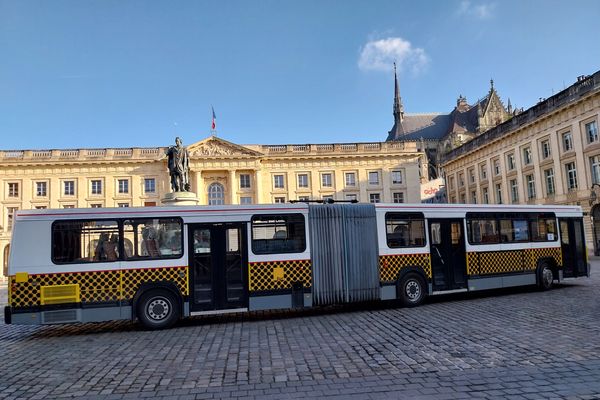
[(398, 107)]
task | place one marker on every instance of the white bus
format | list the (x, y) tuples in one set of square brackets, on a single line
[(158, 264)]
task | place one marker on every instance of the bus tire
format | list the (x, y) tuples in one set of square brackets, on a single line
[(545, 276), (412, 289), (158, 309)]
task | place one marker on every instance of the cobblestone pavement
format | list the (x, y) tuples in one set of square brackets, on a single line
[(520, 344)]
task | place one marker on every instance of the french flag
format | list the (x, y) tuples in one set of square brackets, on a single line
[(214, 120)]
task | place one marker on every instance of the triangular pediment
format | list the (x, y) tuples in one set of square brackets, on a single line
[(217, 147)]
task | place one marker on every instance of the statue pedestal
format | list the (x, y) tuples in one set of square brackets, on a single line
[(180, 199)]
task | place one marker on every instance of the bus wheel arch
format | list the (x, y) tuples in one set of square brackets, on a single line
[(157, 305), (545, 273), (411, 286)]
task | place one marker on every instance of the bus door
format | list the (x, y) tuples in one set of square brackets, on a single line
[(448, 257), (573, 247), (218, 276)]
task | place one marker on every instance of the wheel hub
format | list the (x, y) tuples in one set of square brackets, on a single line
[(158, 309), (413, 290)]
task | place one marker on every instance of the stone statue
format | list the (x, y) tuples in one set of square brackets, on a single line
[(179, 167)]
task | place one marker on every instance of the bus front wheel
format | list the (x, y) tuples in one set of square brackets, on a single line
[(158, 309), (411, 290)]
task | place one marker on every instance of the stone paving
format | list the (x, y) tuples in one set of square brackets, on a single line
[(518, 344)]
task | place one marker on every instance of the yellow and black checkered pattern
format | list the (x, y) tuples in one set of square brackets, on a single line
[(96, 286), (501, 262), (390, 266), (268, 276)]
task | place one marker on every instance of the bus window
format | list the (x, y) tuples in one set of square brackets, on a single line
[(514, 230), (405, 230), (85, 241), (272, 234), (153, 238), (543, 229), (483, 231)]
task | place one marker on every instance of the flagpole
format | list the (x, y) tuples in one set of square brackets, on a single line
[(213, 125)]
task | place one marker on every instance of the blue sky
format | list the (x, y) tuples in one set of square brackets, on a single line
[(122, 73)]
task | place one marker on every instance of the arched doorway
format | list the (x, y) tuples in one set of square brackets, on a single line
[(5, 266), (216, 194), (596, 228)]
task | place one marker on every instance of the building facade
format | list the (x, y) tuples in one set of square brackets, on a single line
[(548, 154), (440, 133), (221, 172)]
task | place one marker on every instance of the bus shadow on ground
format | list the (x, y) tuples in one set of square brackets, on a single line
[(44, 332)]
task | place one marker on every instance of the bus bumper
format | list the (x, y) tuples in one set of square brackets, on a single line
[(7, 315)]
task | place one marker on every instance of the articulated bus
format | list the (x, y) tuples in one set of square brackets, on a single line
[(159, 264)]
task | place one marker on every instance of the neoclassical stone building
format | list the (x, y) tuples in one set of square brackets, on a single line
[(548, 154), (221, 172)]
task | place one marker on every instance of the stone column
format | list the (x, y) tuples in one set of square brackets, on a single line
[(232, 187)]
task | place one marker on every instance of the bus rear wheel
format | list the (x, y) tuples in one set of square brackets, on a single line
[(158, 309), (545, 276), (411, 290)]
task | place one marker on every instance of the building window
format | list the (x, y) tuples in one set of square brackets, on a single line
[(278, 182), (13, 189), (398, 197), (510, 161), (471, 176), (216, 194), (463, 198), (123, 205), (591, 129), (303, 198), (549, 177), (41, 189), (546, 151), (485, 196), (496, 167), (567, 141), (473, 197), (396, 177), (245, 200), (527, 156), (326, 180), (351, 197), (327, 198), (123, 186), (10, 216), (571, 175), (373, 178), (530, 186), (350, 179), (374, 198), (68, 206), (595, 168), (96, 187), (244, 181), (498, 193), (41, 207), (302, 180), (514, 191), (69, 188), (96, 205), (461, 180), (149, 204), (451, 182), (279, 200), (149, 185), (483, 171)]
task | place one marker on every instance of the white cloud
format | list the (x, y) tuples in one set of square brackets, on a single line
[(380, 55), (476, 10)]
